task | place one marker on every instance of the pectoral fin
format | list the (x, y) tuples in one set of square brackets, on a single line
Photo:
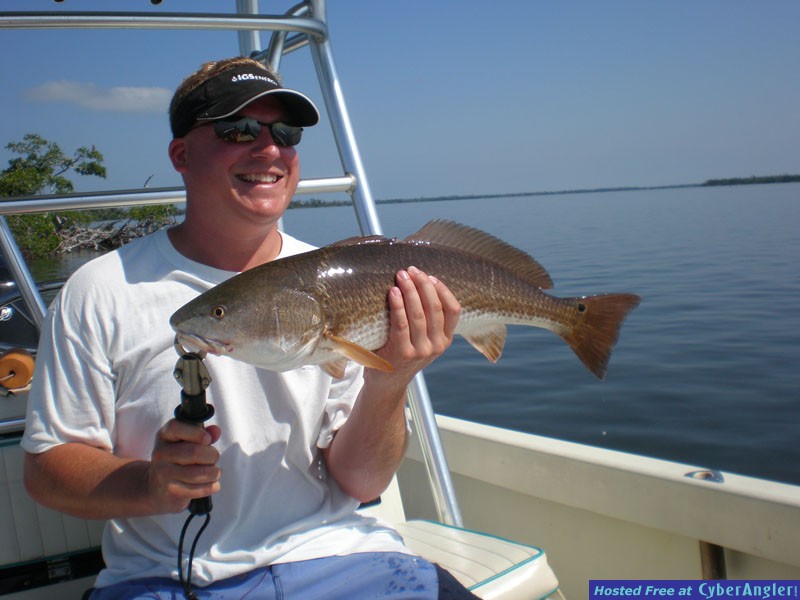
[(354, 352), (488, 341)]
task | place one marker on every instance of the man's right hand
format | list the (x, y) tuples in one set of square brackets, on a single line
[(183, 465)]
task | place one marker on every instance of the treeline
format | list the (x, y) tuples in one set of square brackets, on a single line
[(754, 180), (544, 193), (315, 202)]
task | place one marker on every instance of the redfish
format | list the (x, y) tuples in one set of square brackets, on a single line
[(329, 305)]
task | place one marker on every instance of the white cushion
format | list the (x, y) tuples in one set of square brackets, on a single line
[(491, 567)]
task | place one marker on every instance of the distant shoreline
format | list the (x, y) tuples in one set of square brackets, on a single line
[(754, 180)]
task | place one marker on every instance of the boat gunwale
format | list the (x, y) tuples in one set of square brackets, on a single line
[(758, 517)]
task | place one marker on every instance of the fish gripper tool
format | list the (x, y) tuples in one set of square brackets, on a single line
[(191, 373)]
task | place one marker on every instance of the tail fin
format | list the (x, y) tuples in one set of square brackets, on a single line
[(597, 327)]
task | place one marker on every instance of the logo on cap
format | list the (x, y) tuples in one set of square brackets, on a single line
[(251, 76)]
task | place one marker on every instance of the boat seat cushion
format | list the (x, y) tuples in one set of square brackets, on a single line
[(491, 567)]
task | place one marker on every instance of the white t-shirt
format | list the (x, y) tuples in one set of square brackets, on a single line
[(104, 377)]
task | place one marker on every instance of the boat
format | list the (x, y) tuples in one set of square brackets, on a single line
[(513, 515)]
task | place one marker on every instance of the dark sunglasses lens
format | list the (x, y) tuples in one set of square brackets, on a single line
[(247, 129), (286, 135), (241, 130)]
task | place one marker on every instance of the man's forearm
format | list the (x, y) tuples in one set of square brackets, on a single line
[(87, 482), (368, 449)]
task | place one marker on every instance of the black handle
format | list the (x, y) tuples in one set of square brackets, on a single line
[(194, 409)]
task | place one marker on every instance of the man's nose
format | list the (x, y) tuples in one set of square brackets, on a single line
[(265, 143)]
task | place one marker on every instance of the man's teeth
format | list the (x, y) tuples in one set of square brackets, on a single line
[(258, 178)]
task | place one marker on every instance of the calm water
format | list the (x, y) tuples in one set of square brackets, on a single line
[(706, 369)]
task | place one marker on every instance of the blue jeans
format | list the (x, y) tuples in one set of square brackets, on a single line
[(353, 577)]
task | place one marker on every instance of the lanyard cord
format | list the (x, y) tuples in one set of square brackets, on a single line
[(193, 377), (186, 581)]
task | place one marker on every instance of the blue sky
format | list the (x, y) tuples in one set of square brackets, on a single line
[(452, 97)]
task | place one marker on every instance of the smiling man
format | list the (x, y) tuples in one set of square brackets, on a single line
[(289, 456), (238, 182)]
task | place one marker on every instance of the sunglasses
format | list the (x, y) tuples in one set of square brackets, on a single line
[(246, 129)]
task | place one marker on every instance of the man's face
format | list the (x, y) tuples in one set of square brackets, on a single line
[(252, 180)]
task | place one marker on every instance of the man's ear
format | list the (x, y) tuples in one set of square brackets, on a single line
[(177, 154)]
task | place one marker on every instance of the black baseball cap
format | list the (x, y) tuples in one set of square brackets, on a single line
[(228, 92)]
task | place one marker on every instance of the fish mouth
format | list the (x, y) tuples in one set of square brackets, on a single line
[(204, 344)]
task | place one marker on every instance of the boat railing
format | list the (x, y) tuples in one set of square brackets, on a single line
[(305, 24)]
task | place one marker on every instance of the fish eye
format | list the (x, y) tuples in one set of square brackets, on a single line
[(218, 312)]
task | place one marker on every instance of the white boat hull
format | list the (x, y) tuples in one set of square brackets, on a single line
[(602, 514), (599, 514)]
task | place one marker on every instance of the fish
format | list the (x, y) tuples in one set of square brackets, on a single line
[(329, 305)]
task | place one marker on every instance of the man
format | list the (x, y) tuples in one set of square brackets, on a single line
[(287, 456)]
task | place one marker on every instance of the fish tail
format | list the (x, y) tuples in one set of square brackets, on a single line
[(596, 328)]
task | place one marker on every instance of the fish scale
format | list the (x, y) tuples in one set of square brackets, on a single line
[(330, 305)]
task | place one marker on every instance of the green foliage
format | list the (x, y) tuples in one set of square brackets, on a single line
[(147, 215), (40, 167), (35, 234)]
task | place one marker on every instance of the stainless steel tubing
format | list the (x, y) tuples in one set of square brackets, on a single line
[(22, 275), (419, 400), (138, 20), (249, 40), (38, 204)]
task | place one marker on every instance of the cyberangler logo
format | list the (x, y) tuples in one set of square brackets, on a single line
[(762, 590), (252, 76)]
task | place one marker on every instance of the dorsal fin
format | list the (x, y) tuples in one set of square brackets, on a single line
[(475, 241)]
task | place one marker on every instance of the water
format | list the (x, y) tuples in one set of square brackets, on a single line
[(706, 369)]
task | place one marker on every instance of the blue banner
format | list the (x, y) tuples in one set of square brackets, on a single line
[(690, 589)]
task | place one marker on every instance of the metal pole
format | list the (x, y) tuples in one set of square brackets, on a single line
[(343, 135), (25, 283), (249, 41), (278, 45), (153, 196), (134, 20), (444, 493), (419, 400)]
